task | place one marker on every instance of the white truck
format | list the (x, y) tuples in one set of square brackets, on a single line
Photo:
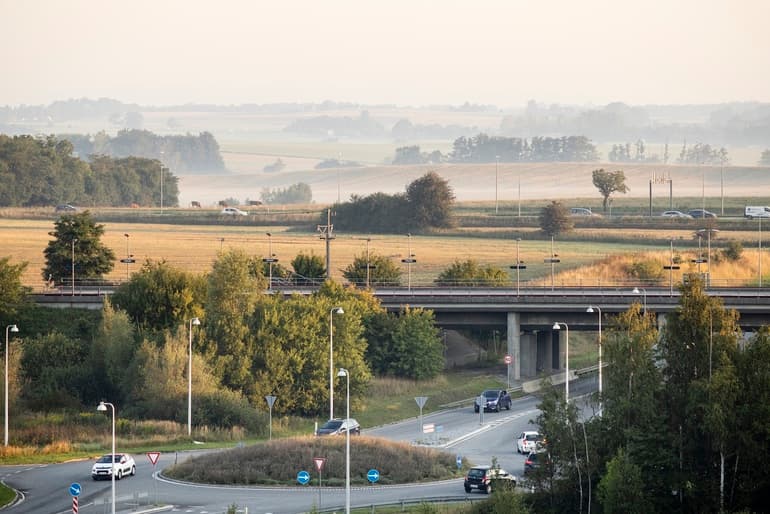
[(756, 211)]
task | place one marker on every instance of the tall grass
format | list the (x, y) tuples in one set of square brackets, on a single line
[(278, 461)]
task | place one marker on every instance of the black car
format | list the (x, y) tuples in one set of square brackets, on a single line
[(701, 213), (481, 477), (339, 427), (534, 460), (494, 399)]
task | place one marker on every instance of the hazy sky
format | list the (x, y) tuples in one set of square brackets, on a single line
[(407, 52)]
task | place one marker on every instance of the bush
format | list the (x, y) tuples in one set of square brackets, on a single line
[(646, 270), (733, 251), (228, 409)]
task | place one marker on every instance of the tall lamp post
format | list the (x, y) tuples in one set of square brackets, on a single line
[(409, 261), (103, 408), (557, 326), (270, 259), (760, 251), (8, 328), (591, 309), (644, 296), (344, 373), (74, 240), (196, 322), (332, 312), (497, 162), (518, 266)]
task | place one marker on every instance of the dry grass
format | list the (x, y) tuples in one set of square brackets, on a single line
[(278, 461)]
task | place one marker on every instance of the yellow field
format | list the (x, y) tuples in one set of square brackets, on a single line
[(194, 248)]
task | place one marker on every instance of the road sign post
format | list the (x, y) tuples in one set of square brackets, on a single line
[(319, 465), (270, 399), (508, 360), (154, 456), (75, 491), (420, 403)]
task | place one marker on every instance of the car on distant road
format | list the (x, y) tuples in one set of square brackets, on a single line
[(339, 427), (676, 214), (103, 467), (494, 400), (580, 211), (701, 213), (65, 207), (481, 477), (232, 211), (534, 460), (528, 441)]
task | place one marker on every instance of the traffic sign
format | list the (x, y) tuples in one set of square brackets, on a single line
[(421, 401), (373, 475), (270, 399), (508, 359), (319, 463), (269, 259), (303, 477), (128, 261), (459, 461), (428, 428), (153, 456), (75, 489)]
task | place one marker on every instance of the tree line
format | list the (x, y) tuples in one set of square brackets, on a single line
[(485, 148), (681, 423), (184, 153), (44, 171), (249, 344)]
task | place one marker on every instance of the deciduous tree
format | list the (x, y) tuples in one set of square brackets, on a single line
[(609, 182), (77, 241), (555, 219)]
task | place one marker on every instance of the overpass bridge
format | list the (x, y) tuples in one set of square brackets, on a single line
[(526, 315)]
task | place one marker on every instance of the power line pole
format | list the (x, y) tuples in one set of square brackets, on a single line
[(327, 233)]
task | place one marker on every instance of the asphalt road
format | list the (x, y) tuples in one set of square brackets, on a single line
[(45, 488)]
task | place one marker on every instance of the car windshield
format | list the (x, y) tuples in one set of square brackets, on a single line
[(108, 458), (490, 394), (332, 424), (476, 473), (532, 437)]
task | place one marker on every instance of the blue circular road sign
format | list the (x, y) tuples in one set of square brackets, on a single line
[(373, 475), (459, 462), (303, 477), (75, 489)]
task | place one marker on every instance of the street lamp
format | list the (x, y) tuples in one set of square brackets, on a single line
[(557, 326), (74, 240), (270, 259), (344, 373), (128, 260), (196, 322), (591, 309), (497, 162), (644, 293), (161, 187), (553, 259), (332, 312), (518, 266), (11, 328), (103, 408), (409, 261), (760, 252)]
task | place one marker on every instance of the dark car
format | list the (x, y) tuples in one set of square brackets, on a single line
[(535, 460), (481, 477), (339, 427), (701, 213), (494, 400), (65, 207)]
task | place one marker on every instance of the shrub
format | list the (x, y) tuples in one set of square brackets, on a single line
[(733, 251), (646, 270)]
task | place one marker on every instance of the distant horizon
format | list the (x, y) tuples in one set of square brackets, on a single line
[(379, 104), (401, 52)]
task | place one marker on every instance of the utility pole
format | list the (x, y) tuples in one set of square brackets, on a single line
[(327, 233)]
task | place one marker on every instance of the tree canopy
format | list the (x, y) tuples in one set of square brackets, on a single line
[(76, 249), (609, 182)]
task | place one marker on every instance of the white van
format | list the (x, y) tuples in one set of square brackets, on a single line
[(756, 211)]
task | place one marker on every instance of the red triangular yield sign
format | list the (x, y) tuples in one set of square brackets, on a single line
[(154, 456), (319, 463)]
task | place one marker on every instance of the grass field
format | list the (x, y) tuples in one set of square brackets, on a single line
[(586, 259)]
